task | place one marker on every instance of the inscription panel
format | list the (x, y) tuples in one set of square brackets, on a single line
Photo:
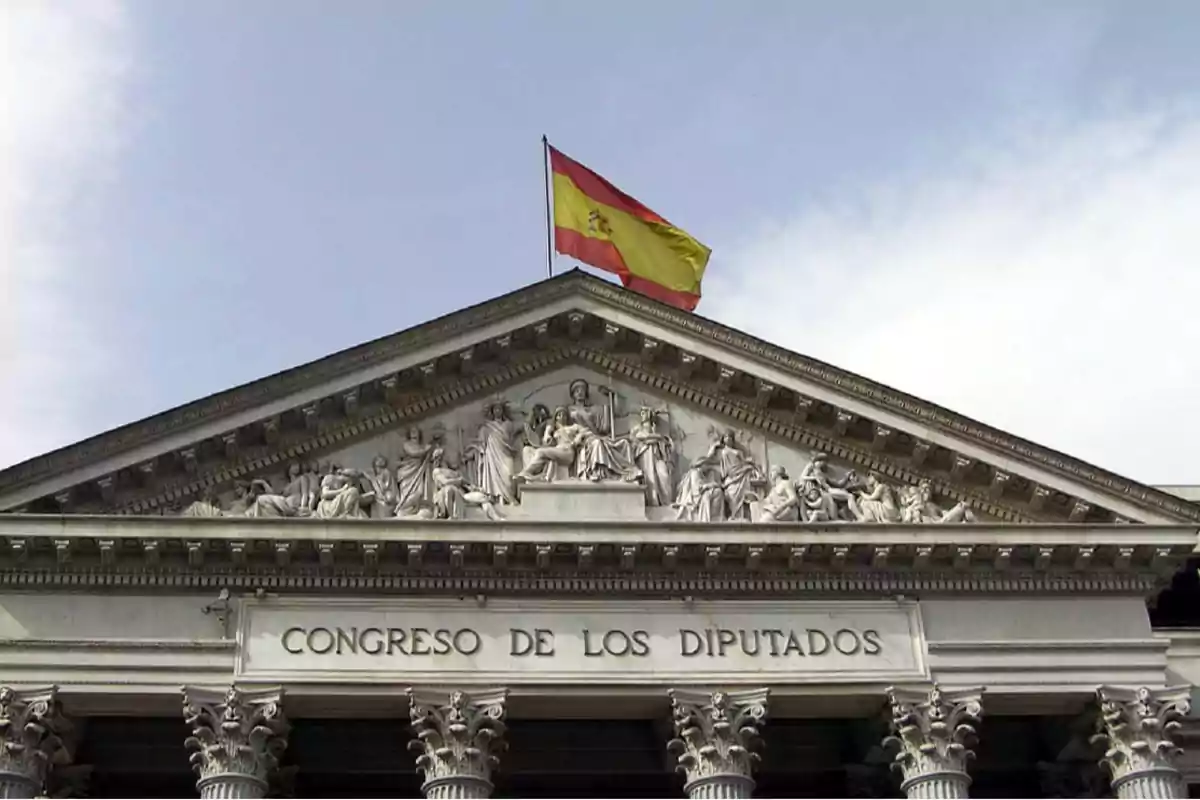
[(627, 642)]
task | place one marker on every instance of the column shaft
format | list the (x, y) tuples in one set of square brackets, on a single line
[(716, 735), (1135, 727), (237, 737), (931, 732), (31, 730), (458, 739), (1167, 783)]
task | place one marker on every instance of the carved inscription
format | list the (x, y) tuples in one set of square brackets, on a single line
[(613, 642), (591, 640)]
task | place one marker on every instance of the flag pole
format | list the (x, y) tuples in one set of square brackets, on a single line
[(549, 224)]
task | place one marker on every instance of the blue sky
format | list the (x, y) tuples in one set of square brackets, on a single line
[(988, 204)]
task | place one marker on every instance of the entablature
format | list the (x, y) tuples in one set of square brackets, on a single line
[(547, 557)]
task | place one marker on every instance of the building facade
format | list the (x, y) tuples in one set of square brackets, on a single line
[(572, 542)]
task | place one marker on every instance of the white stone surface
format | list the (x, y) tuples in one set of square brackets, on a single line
[(1065, 645), (110, 653), (580, 501), (612, 642)]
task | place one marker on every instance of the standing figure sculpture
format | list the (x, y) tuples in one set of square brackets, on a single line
[(701, 496), (383, 484), (720, 485), (494, 453), (600, 456), (535, 430), (414, 474), (654, 455), (741, 478)]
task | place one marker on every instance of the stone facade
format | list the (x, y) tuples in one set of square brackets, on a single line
[(573, 504)]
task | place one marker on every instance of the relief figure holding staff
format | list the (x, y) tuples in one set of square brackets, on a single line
[(601, 456)]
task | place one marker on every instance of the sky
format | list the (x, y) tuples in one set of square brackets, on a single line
[(994, 206)]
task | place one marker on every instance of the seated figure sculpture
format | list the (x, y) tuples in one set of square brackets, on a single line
[(599, 455)]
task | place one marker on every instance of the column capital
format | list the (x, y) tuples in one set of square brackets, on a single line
[(459, 738), (932, 732), (1136, 728), (237, 735), (31, 730), (716, 735)]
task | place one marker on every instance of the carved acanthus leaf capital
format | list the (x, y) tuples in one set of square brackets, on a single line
[(238, 732), (933, 730), (31, 733), (717, 733), (458, 736), (1136, 728)]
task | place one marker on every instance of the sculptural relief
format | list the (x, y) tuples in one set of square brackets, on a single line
[(701, 496), (493, 455), (554, 459), (414, 473), (383, 488), (832, 487), (782, 503), (599, 454), (877, 502), (256, 498), (207, 505), (342, 494), (654, 455), (823, 497), (452, 493), (918, 507), (533, 430), (737, 478), (686, 468)]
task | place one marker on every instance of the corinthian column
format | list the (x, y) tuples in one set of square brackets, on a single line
[(1135, 727), (716, 735), (237, 736), (458, 741), (933, 731), (30, 743)]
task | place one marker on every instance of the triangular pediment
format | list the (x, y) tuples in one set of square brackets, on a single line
[(525, 349)]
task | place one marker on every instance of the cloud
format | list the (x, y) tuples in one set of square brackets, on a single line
[(64, 75), (1046, 282)]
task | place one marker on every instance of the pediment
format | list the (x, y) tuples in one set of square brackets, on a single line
[(525, 349)]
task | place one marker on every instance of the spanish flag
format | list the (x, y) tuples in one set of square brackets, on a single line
[(600, 225)]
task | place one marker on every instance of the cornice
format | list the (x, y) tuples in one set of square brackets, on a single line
[(578, 284), (653, 559), (707, 585)]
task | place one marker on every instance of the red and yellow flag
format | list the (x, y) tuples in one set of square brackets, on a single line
[(600, 225)]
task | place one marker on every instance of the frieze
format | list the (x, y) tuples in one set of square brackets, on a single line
[(595, 434)]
